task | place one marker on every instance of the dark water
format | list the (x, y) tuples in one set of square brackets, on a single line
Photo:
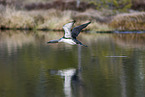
[(113, 65)]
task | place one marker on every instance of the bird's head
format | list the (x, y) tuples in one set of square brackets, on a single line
[(74, 21)]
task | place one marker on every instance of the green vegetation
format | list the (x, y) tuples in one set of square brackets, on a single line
[(121, 5)]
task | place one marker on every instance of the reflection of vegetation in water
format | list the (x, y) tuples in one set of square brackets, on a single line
[(106, 45), (25, 72), (30, 64), (13, 40), (18, 40), (130, 40)]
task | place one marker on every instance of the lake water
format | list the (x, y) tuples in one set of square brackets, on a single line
[(113, 65)]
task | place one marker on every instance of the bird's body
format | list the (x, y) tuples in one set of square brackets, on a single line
[(69, 41), (70, 36)]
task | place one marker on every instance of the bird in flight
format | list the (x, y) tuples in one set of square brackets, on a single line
[(70, 36)]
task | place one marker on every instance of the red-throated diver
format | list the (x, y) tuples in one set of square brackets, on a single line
[(70, 36)]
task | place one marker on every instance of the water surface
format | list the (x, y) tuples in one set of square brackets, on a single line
[(113, 65)]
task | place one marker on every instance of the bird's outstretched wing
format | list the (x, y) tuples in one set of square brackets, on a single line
[(77, 30), (67, 29)]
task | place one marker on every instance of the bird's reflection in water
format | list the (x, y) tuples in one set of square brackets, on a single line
[(72, 78)]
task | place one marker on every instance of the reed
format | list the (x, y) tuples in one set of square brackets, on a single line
[(51, 19), (16, 19), (44, 19), (132, 21)]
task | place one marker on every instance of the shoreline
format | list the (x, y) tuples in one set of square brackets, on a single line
[(84, 31)]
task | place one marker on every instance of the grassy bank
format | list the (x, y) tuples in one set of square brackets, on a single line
[(133, 21), (104, 20), (45, 19)]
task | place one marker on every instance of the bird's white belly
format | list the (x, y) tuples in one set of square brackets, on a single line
[(69, 41)]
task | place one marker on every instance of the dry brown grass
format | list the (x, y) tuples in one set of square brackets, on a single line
[(16, 19), (51, 19), (45, 19), (133, 21)]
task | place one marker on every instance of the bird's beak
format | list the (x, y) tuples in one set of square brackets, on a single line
[(53, 41)]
